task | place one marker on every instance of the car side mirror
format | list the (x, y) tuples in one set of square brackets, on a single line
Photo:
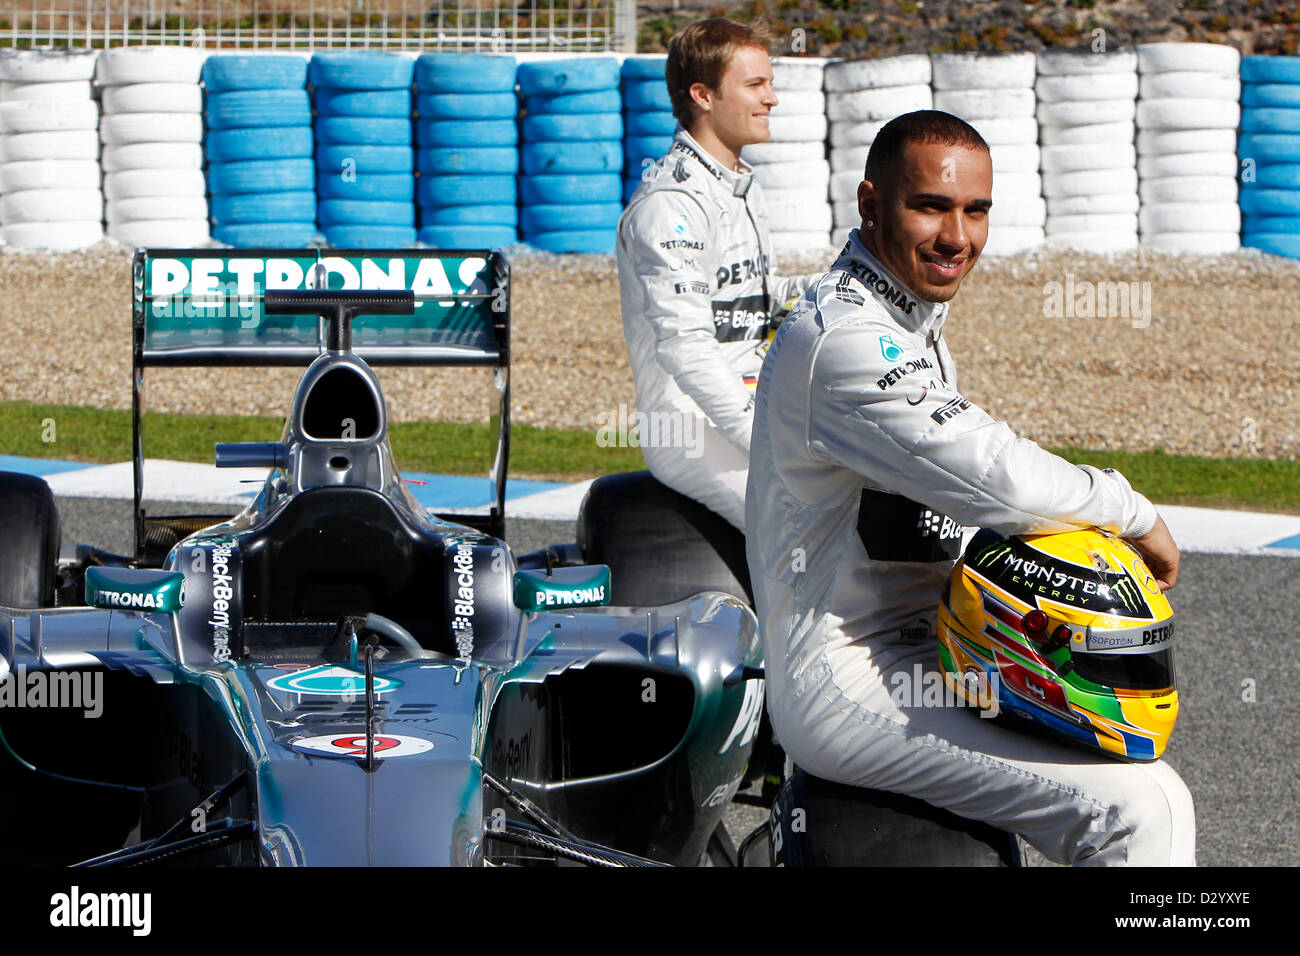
[(135, 589), (564, 588)]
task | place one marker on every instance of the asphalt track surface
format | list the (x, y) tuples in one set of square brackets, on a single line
[(1238, 730)]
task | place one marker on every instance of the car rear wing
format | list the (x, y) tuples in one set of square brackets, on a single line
[(206, 307)]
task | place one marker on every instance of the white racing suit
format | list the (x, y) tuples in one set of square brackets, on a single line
[(866, 464), (694, 272)]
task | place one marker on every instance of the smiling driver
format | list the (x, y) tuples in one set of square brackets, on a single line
[(866, 465)]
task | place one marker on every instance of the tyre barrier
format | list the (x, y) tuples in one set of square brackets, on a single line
[(573, 144), (1086, 107), (466, 160), (648, 120), (799, 211), (1269, 158), (259, 142), (50, 194), (1188, 105)]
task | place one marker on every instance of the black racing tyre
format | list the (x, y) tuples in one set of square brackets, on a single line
[(29, 528), (660, 546)]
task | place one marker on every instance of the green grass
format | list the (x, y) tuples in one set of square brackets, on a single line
[(88, 434)]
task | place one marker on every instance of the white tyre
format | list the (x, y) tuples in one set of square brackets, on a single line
[(797, 129), (152, 156), (1014, 131), (878, 104), (54, 117), (1023, 212), (792, 74), (783, 152), (854, 133), (1012, 187), (77, 144), (849, 159), (1095, 242), (40, 66), (844, 186), (141, 183), (150, 64), (1178, 57), (1102, 86), (1072, 159), (1015, 159), (1090, 134), (846, 214), (173, 233), (800, 209), (1166, 141), (1086, 112), (977, 71), (1095, 204), (986, 104), (1012, 240), (51, 205), (800, 103), (1188, 189), (785, 242), (1071, 63), (49, 174), (1091, 182), (850, 75), (153, 98), (156, 207), (53, 236), (815, 174), (1190, 217), (124, 128), (1195, 243), (1193, 84), (61, 91), (1188, 164), (1094, 222), (840, 235), (1188, 114)]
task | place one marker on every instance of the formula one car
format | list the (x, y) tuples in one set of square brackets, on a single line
[(335, 676)]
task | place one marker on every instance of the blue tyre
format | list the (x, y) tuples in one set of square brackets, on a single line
[(1270, 120), (466, 134), (462, 72), (1271, 202), (467, 106), (601, 101), (361, 70), (223, 73), (1270, 69), (630, 186), (363, 131), (366, 159), (465, 190), (601, 156), (340, 212), (1284, 95), (1269, 147), (232, 145), (266, 235), (499, 160), (387, 187), (1279, 176), (261, 176), (651, 123), (372, 103), (1278, 225), (599, 187), (568, 76), (644, 67), (369, 237), (243, 109), (574, 240), (585, 216), (637, 148), (647, 95), (1279, 244), (298, 206), (468, 237), (560, 127), (497, 214)]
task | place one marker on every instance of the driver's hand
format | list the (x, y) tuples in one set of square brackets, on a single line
[(1160, 554)]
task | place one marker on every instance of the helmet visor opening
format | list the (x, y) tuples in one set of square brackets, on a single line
[(1154, 671)]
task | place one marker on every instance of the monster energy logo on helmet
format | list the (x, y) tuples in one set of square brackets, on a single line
[(1030, 574)]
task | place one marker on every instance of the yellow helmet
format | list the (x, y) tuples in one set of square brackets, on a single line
[(1069, 631)]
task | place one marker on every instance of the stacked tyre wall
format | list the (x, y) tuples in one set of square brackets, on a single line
[(477, 150)]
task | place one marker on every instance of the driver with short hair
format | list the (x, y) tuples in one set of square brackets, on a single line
[(866, 465)]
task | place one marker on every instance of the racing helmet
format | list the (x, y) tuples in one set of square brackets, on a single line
[(1069, 631)]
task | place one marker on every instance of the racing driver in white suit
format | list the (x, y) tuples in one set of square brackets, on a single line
[(694, 268), (866, 464)]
